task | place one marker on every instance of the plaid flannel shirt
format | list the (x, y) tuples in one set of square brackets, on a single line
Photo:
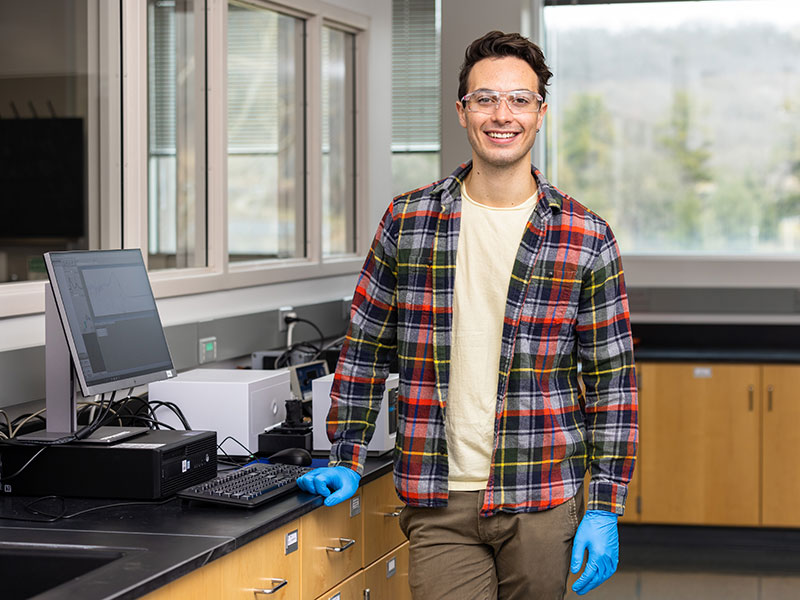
[(566, 307)]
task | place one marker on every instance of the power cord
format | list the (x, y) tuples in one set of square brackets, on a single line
[(51, 517), (290, 320)]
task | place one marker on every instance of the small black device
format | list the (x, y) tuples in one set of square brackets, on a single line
[(293, 433), (151, 466), (249, 486), (292, 456)]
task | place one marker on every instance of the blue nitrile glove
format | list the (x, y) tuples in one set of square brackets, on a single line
[(598, 534), (337, 484)]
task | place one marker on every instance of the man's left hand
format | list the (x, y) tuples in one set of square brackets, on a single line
[(597, 533)]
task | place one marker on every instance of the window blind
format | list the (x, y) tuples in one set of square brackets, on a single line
[(416, 103), (161, 75)]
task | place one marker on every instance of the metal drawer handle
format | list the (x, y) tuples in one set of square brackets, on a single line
[(396, 513), (770, 389), (344, 544), (750, 397), (276, 585)]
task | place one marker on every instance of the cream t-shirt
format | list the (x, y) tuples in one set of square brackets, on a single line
[(487, 246)]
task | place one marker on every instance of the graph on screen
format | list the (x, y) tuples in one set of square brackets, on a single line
[(121, 290)]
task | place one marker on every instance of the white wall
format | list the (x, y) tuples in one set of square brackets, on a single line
[(462, 22)]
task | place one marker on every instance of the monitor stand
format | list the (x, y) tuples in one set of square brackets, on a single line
[(62, 389)]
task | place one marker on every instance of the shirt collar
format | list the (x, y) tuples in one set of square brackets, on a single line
[(449, 188)]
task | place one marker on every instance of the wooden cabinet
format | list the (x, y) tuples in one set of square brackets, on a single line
[(263, 564), (700, 449), (350, 589), (271, 564), (717, 444), (332, 545), (387, 577), (381, 519), (780, 468), (204, 583), (330, 553)]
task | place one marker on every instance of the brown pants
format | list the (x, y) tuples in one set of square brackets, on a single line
[(457, 555)]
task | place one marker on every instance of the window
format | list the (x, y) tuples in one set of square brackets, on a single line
[(338, 142), (679, 122), (266, 134), (416, 97), (54, 83), (221, 138), (176, 134)]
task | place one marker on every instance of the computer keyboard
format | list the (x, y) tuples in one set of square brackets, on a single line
[(249, 486)]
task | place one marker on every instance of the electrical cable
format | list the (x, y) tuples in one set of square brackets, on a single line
[(23, 467), (8, 423), (173, 407), (284, 359), (230, 459), (95, 425), (61, 515), (150, 421), (25, 419), (306, 321)]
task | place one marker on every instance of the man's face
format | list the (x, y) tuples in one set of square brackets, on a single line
[(488, 134)]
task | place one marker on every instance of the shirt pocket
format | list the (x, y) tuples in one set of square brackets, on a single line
[(554, 290)]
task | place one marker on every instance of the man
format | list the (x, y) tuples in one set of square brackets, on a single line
[(492, 287)]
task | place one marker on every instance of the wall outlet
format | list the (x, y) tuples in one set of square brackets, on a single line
[(208, 350), (283, 312)]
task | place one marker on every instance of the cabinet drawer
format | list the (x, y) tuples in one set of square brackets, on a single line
[(350, 589), (263, 564), (387, 577), (331, 549), (381, 524)]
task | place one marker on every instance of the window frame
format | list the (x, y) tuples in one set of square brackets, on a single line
[(220, 273)]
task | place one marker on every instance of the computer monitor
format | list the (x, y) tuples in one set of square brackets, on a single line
[(103, 333)]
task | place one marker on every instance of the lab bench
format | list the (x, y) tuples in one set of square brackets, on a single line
[(180, 550)]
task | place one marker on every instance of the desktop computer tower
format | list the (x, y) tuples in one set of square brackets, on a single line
[(236, 403), (151, 466)]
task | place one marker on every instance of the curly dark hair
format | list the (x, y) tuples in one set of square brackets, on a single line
[(497, 44)]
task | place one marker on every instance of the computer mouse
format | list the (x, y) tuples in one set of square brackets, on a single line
[(292, 456)]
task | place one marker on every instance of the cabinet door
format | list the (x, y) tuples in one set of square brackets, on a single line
[(387, 577), (331, 548), (264, 564), (381, 524), (781, 439), (700, 443)]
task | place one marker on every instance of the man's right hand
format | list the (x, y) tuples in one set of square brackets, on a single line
[(336, 484)]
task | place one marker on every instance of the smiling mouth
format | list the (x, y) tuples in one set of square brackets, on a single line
[(502, 135)]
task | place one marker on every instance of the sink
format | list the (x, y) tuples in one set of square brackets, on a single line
[(28, 569), (54, 564)]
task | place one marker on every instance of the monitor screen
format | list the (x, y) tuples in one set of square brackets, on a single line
[(302, 375), (110, 318)]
